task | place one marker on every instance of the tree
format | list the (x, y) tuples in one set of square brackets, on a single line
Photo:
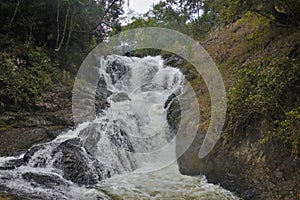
[(55, 21), (162, 14), (282, 12)]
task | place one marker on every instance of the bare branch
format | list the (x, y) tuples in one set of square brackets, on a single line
[(103, 15), (15, 13)]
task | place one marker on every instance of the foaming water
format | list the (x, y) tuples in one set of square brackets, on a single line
[(166, 183), (118, 154)]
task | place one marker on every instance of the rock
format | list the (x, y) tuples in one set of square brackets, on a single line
[(242, 165), (60, 120), (173, 61), (173, 114), (251, 194), (294, 51), (91, 137), (12, 164), (117, 69), (47, 180), (76, 165), (102, 93), (119, 97), (28, 155), (119, 138)]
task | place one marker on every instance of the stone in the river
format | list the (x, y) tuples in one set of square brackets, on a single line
[(91, 137), (28, 155), (117, 69), (12, 164), (77, 166), (44, 179), (102, 93), (173, 114), (119, 97)]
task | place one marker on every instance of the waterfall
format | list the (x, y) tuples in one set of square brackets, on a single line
[(130, 128)]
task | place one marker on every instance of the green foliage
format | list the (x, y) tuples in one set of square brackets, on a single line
[(69, 29), (41, 38), (3, 125), (25, 75), (180, 16), (161, 15), (283, 12), (268, 89), (200, 27), (287, 129)]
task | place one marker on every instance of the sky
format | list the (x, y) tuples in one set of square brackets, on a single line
[(141, 6)]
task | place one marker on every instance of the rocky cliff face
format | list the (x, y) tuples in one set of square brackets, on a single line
[(244, 166), (239, 162), (38, 123)]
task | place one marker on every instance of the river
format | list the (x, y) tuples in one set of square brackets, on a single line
[(114, 155)]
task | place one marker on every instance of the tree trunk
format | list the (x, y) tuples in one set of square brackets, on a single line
[(65, 29), (70, 32), (57, 24), (15, 13)]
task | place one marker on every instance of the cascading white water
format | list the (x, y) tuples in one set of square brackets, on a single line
[(96, 160)]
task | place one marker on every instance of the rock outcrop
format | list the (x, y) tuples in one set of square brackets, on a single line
[(242, 165)]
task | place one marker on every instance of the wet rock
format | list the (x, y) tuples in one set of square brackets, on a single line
[(91, 137), (76, 165), (47, 180), (102, 93), (117, 69), (173, 114), (28, 155), (120, 138), (173, 61), (12, 164), (151, 86), (250, 194), (119, 97)]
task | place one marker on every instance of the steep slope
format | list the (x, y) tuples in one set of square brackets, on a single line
[(257, 155)]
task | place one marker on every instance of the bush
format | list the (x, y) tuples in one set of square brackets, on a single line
[(24, 74), (268, 89)]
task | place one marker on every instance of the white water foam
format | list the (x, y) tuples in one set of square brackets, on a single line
[(140, 88)]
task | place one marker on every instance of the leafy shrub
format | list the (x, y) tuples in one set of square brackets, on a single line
[(24, 74), (287, 129), (268, 89)]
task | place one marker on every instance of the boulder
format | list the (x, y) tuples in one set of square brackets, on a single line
[(116, 70), (119, 97), (76, 165), (102, 93), (91, 136), (173, 114), (12, 164), (47, 180)]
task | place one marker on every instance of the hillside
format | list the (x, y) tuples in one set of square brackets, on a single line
[(257, 155)]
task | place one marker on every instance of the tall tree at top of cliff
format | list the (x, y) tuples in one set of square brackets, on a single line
[(59, 23), (281, 12), (66, 29)]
